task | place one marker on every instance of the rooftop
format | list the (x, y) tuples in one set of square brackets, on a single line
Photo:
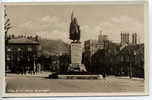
[(22, 41)]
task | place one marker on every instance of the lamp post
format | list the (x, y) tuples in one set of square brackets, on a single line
[(34, 64), (134, 58), (130, 64)]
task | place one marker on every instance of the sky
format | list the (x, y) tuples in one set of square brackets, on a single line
[(53, 21)]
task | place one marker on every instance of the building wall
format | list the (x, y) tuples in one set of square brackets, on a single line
[(19, 56), (131, 61), (90, 46)]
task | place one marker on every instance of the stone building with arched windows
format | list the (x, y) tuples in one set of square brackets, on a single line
[(21, 55)]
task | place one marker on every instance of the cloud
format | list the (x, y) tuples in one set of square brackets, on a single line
[(49, 19), (50, 27), (53, 22), (55, 34), (113, 28), (27, 24), (57, 29), (128, 24), (53, 27), (88, 32)]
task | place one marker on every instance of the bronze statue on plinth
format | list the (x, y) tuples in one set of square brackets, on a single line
[(74, 30), (76, 48)]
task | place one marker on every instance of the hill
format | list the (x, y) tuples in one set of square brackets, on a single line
[(53, 47)]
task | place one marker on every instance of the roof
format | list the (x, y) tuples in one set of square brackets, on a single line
[(22, 41), (133, 48)]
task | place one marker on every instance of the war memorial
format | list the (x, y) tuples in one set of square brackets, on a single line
[(75, 46), (76, 69)]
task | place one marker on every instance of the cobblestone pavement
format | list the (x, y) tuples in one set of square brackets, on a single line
[(35, 83)]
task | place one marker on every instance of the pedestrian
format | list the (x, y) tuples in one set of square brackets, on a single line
[(104, 75), (39, 67)]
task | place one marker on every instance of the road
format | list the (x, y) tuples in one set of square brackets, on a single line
[(42, 84)]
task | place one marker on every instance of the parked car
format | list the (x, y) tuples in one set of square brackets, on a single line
[(54, 75)]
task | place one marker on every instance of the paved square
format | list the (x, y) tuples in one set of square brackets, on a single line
[(43, 84)]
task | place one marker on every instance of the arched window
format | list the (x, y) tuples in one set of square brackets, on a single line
[(29, 49), (19, 49), (9, 49), (8, 58)]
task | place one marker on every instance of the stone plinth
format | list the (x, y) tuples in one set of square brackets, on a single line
[(76, 58), (76, 53)]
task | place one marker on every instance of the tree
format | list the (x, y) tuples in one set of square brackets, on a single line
[(98, 61), (7, 24)]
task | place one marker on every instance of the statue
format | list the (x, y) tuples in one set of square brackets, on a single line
[(75, 47), (74, 29)]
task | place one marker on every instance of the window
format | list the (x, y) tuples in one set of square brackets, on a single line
[(19, 49), (29, 49), (9, 49)]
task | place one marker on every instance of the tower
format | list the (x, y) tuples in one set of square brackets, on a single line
[(134, 38), (100, 39), (124, 38)]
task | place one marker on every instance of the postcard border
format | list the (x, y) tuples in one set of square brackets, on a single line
[(146, 53)]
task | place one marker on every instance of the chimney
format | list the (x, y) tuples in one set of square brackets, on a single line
[(134, 38), (124, 38), (127, 38)]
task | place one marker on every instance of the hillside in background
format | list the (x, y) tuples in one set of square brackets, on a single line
[(53, 47)]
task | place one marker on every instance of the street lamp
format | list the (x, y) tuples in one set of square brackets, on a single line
[(134, 57), (130, 64)]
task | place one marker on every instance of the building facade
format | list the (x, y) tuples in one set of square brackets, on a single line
[(91, 47), (21, 55), (131, 61)]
